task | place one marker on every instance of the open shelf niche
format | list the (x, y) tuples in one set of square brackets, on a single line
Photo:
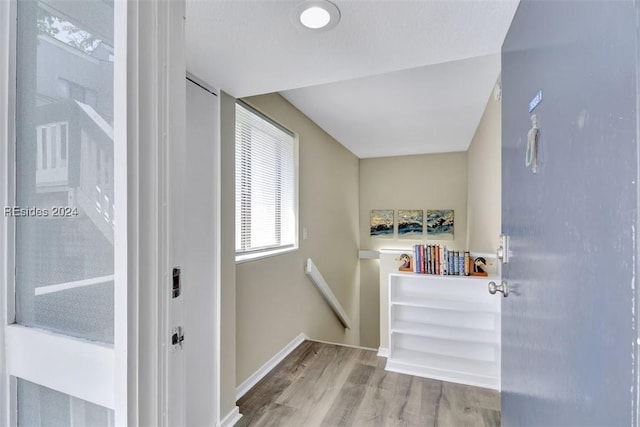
[(444, 327)]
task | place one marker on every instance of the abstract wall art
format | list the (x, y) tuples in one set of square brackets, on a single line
[(440, 224), (381, 223)]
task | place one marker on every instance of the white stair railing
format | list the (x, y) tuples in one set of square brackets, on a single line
[(314, 274)]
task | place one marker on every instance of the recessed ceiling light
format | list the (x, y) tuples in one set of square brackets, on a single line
[(316, 15)]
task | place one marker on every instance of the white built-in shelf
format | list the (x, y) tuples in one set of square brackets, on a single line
[(446, 363), (437, 302), (444, 327), (445, 278), (445, 332), (446, 368)]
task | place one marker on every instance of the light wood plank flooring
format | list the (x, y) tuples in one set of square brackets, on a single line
[(334, 386)]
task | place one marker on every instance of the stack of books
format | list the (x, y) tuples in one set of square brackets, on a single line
[(438, 260)]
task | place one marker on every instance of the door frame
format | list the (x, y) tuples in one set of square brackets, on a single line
[(214, 338), (155, 113)]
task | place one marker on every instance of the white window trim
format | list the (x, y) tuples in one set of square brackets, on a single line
[(247, 257), (243, 257), (8, 403)]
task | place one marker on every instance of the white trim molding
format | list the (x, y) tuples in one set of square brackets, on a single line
[(73, 366), (451, 376), (247, 384), (231, 418), (7, 115), (359, 347), (383, 352), (366, 254), (155, 124)]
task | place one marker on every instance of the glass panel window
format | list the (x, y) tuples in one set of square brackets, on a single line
[(266, 185), (41, 406), (64, 188)]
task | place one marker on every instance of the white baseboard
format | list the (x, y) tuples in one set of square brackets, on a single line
[(383, 352), (267, 367), (468, 378), (232, 418), (342, 345)]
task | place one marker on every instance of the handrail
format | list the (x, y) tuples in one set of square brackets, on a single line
[(314, 274)]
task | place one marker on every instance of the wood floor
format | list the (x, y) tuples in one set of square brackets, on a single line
[(334, 386)]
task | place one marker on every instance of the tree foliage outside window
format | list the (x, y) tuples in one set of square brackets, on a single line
[(66, 32)]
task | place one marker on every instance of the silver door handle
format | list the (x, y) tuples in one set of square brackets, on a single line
[(502, 287)]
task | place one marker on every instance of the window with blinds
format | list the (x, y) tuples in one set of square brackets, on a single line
[(266, 185)]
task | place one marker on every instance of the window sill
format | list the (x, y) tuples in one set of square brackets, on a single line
[(241, 259)]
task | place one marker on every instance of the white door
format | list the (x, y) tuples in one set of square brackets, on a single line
[(201, 290), (63, 157)]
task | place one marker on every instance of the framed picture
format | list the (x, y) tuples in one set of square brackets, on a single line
[(410, 223), (381, 223), (440, 224)]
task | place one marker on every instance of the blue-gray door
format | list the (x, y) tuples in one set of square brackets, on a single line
[(569, 329)]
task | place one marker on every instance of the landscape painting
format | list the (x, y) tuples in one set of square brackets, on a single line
[(410, 223), (440, 224), (381, 223)]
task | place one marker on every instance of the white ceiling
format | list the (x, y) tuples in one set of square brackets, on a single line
[(432, 109), (394, 77)]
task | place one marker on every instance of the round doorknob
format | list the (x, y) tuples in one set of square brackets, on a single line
[(502, 287)]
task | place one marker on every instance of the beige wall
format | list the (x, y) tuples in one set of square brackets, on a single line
[(272, 301), (427, 181), (485, 197), (275, 299), (227, 255)]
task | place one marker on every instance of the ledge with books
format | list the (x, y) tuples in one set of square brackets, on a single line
[(440, 261)]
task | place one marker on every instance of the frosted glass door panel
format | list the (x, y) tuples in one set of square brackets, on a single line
[(40, 406), (64, 168)]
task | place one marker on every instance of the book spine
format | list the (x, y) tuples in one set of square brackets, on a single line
[(433, 259), (456, 267), (445, 262), (427, 259), (431, 264), (467, 264), (452, 263)]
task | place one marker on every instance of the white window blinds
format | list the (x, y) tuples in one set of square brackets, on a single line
[(266, 174)]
